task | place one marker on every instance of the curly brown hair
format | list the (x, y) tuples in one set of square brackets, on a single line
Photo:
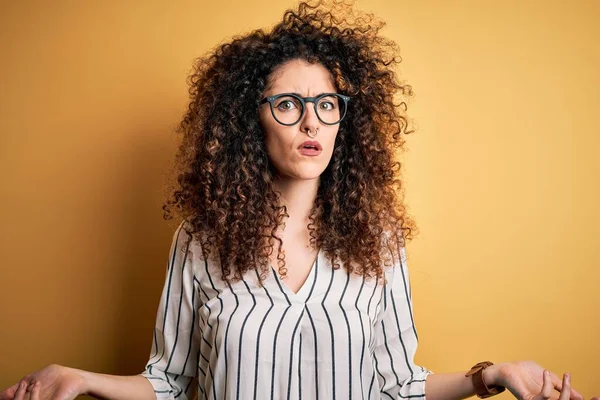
[(224, 186)]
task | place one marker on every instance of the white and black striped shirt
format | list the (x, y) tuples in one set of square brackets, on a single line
[(338, 337)]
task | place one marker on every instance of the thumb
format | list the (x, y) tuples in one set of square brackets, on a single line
[(547, 387), (9, 393)]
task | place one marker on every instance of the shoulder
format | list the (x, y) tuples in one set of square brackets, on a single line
[(396, 249), (181, 237), (185, 249)]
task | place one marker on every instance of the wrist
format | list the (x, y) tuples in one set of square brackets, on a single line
[(84, 386), (491, 375)]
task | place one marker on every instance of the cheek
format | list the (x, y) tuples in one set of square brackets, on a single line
[(278, 144), (277, 138), (331, 141), (273, 145)]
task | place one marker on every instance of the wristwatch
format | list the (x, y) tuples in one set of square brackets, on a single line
[(482, 390)]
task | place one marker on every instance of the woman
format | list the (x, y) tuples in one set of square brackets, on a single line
[(289, 138)]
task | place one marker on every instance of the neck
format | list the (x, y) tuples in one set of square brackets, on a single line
[(298, 195)]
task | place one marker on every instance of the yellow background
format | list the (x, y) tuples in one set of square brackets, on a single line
[(503, 175)]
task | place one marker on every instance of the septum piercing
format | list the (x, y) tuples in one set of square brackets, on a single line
[(316, 131)]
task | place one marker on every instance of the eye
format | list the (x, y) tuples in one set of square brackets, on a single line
[(326, 105), (286, 104)]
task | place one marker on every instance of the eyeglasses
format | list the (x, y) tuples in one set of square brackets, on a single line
[(289, 108)]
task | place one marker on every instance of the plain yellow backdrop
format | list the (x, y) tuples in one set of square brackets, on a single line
[(502, 175)]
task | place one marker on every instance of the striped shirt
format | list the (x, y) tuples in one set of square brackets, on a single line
[(339, 337)]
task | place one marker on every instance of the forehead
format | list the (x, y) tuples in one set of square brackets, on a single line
[(300, 76)]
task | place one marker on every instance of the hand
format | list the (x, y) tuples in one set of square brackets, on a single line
[(54, 382), (526, 380)]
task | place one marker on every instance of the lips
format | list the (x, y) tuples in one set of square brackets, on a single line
[(311, 145), (309, 151)]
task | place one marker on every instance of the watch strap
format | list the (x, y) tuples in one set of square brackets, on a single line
[(481, 388)]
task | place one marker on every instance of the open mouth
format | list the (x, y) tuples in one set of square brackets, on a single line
[(309, 150)]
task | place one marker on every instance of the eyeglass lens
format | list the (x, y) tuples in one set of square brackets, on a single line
[(288, 109)]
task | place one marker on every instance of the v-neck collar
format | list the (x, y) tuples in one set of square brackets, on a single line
[(306, 288)]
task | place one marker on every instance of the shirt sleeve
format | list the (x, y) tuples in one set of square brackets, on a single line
[(172, 367), (396, 339)]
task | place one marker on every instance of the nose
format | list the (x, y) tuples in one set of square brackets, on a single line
[(310, 121)]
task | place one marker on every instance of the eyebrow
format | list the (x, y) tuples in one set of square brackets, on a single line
[(317, 95)]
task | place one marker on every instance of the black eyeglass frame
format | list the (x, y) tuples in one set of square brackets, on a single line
[(303, 101)]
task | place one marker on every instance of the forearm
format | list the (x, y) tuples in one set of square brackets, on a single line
[(117, 387), (455, 386)]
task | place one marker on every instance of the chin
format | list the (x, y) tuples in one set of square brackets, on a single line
[(310, 177), (305, 174)]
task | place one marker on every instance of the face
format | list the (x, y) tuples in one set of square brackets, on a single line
[(283, 143)]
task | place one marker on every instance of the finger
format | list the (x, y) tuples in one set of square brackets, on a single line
[(557, 382), (575, 395), (9, 393), (547, 387), (35, 392), (20, 394), (565, 393)]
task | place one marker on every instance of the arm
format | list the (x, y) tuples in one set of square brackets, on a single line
[(115, 387), (61, 382), (396, 339), (173, 364), (171, 371), (456, 386), (397, 344), (399, 378)]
